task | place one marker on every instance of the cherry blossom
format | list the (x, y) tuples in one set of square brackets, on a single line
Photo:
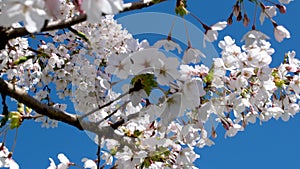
[(254, 38), (192, 55), (167, 70), (267, 11), (89, 163), (186, 156), (211, 33), (285, 1), (143, 63), (230, 53), (31, 12), (172, 108), (95, 8), (232, 131), (53, 7), (168, 44), (191, 92), (91, 61), (6, 158), (64, 162), (280, 33), (119, 65)]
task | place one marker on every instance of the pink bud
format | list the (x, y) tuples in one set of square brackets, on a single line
[(78, 4), (213, 132), (282, 8), (52, 7), (246, 20), (239, 17), (229, 20), (236, 9)]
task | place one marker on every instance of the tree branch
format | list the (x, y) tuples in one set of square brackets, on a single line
[(60, 24), (21, 96)]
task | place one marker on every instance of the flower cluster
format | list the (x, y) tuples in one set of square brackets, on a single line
[(110, 77), (238, 89), (34, 13), (6, 158)]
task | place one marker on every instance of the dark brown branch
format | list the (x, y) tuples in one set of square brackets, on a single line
[(21, 96)]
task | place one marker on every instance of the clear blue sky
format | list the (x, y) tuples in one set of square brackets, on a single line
[(274, 145)]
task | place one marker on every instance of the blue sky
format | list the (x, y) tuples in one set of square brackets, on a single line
[(274, 144)]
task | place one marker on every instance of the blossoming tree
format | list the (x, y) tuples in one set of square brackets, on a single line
[(75, 50)]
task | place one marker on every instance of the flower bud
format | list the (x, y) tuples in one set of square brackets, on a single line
[(213, 132), (229, 20), (236, 9), (288, 68), (9, 155), (244, 124), (246, 20), (239, 17), (281, 8), (78, 4)]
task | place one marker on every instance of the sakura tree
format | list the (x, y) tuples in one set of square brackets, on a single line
[(147, 105)]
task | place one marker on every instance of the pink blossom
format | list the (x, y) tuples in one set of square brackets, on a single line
[(52, 7)]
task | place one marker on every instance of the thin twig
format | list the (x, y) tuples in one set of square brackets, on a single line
[(15, 141), (114, 112), (103, 106), (98, 152)]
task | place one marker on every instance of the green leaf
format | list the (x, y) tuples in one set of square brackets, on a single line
[(20, 108), (136, 133), (209, 78), (15, 119), (22, 59), (181, 10), (114, 151), (146, 163), (144, 81), (279, 82)]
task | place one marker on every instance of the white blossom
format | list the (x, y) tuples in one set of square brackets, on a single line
[(269, 11), (31, 12), (232, 131), (280, 33), (95, 8), (169, 45), (192, 55), (212, 33), (167, 70), (285, 1), (89, 163)]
